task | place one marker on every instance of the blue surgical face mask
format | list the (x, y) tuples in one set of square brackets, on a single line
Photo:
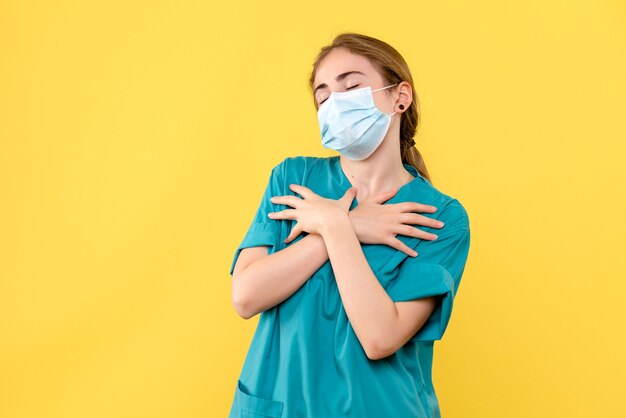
[(351, 123)]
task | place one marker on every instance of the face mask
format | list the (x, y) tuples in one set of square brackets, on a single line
[(351, 123)]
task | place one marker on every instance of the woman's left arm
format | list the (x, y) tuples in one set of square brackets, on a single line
[(381, 325)]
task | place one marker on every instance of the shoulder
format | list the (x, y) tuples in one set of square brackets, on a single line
[(454, 216), (294, 167), (450, 210)]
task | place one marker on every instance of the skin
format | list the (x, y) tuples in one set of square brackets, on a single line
[(261, 281)]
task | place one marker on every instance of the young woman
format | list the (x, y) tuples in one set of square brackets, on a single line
[(352, 294)]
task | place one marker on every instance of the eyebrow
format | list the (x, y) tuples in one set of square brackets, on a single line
[(338, 78)]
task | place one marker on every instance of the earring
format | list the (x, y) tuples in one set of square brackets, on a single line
[(401, 107)]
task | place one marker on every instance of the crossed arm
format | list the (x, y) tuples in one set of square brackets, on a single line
[(261, 281), (381, 325)]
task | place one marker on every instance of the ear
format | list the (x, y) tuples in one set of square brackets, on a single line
[(405, 96)]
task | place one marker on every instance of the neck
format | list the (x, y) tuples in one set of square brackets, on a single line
[(380, 172)]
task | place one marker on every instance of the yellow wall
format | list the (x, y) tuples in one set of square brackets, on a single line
[(136, 139)]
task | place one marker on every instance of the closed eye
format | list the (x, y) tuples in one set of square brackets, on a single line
[(356, 85)]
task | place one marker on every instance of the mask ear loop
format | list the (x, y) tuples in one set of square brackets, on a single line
[(386, 87), (382, 88)]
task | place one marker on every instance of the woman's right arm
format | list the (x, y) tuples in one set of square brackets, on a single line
[(261, 281)]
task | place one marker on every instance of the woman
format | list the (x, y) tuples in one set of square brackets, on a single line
[(352, 294)]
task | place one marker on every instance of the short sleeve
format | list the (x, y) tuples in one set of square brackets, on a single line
[(436, 271), (263, 230)]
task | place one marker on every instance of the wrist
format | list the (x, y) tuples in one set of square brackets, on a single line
[(334, 221), (353, 222)]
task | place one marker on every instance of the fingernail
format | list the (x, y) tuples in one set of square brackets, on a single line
[(270, 214), (441, 223)]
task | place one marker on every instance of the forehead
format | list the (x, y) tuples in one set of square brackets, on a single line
[(340, 60)]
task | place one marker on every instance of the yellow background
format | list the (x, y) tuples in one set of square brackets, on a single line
[(136, 139)]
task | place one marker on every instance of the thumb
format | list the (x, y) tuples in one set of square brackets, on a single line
[(384, 196), (350, 193)]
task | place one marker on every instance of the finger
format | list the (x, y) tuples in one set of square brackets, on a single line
[(401, 246), (283, 214), (295, 231), (382, 196), (414, 218), (286, 200), (348, 196), (415, 207), (302, 190), (350, 193), (411, 231)]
